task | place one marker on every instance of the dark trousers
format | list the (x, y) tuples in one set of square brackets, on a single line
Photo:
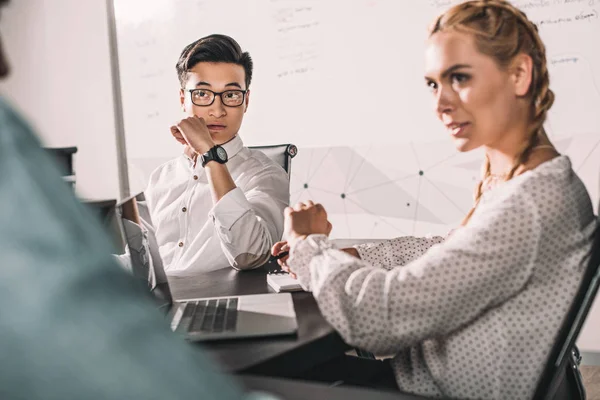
[(355, 371)]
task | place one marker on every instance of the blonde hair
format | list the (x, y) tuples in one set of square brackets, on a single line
[(502, 31)]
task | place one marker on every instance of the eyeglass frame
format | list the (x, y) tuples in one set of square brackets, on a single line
[(218, 94)]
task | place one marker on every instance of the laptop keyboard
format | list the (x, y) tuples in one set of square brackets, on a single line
[(211, 316)]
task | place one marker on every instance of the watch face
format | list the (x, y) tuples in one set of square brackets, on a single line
[(221, 153)]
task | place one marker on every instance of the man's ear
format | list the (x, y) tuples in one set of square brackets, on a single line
[(521, 74), (182, 99), (247, 101)]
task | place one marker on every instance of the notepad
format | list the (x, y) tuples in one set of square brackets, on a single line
[(281, 281)]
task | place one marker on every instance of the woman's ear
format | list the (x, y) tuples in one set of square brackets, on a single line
[(522, 74)]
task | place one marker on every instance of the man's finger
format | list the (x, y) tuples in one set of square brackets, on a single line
[(177, 135), (175, 129), (283, 261), (278, 248)]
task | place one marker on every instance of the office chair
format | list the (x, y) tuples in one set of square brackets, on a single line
[(104, 211), (63, 157), (282, 154), (561, 378)]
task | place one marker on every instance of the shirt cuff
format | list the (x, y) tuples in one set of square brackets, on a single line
[(229, 209), (301, 255)]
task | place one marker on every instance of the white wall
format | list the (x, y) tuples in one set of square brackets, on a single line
[(61, 81)]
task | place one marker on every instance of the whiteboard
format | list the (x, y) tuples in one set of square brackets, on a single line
[(381, 168)]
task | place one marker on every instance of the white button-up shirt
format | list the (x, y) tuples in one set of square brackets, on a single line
[(193, 235)]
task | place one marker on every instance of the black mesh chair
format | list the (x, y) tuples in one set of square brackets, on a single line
[(561, 378), (282, 154)]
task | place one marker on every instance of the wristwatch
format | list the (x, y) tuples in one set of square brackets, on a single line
[(217, 154)]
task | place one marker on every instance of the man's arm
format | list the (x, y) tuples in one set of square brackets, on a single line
[(195, 134), (249, 222), (219, 180)]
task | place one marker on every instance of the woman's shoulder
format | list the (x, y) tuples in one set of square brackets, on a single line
[(552, 186), (554, 178)]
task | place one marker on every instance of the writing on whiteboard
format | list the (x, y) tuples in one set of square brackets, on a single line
[(564, 60), (297, 36), (582, 16)]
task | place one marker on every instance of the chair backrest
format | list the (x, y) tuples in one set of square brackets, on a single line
[(561, 352), (282, 154), (102, 209), (63, 156), (105, 211)]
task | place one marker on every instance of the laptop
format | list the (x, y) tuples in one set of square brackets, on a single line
[(219, 318)]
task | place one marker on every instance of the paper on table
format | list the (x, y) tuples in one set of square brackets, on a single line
[(281, 281)]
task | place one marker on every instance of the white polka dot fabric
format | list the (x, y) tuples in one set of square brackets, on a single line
[(474, 316), (396, 252)]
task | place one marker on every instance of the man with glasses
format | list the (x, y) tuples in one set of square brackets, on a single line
[(219, 204), (74, 326)]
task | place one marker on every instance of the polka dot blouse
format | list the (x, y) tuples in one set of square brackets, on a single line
[(473, 316)]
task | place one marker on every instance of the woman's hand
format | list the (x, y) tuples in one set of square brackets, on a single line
[(305, 218)]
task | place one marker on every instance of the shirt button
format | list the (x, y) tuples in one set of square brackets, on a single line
[(184, 209), (195, 177), (180, 244)]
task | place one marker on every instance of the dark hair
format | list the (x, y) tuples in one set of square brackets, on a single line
[(213, 48)]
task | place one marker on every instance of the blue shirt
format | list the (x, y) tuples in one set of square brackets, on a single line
[(73, 325)]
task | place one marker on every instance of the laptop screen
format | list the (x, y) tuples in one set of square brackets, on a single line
[(124, 210)]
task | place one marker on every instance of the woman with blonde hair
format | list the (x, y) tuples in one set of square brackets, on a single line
[(473, 315)]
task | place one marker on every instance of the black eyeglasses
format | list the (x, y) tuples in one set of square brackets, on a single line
[(229, 98)]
